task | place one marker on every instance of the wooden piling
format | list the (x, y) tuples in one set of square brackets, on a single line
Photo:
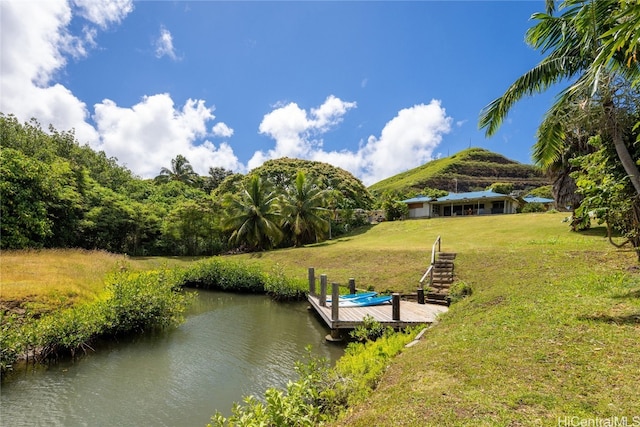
[(335, 301), (352, 285), (420, 296), (395, 301), (312, 281), (323, 290)]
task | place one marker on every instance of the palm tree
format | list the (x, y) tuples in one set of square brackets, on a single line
[(252, 216), (181, 170), (302, 207), (574, 42)]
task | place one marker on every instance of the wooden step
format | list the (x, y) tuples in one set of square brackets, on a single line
[(443, 271), (447, 255), (437, 298), (443, 274), (442, 283)]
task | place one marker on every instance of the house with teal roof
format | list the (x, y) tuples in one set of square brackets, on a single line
[(461, 204)]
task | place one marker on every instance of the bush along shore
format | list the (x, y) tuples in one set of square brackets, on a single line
[(132, 302), (321, 393)]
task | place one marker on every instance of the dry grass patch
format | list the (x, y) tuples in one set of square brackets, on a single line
[(44, 280)]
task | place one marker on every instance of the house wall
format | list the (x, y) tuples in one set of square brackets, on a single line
[(419, 210), (427, 210)]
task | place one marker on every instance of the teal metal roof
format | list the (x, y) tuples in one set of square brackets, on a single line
[(418, 199), (458, 197), (532, 199), (473, 195)]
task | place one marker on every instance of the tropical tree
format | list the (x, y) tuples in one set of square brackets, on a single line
[(252, 216), (215, 178), (191, 227), (23, 182), (181, 170), (303, 210), (577, 52)]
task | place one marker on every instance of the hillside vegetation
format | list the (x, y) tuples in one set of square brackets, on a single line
[(469, 170)]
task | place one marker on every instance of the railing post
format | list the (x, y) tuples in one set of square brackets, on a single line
[(395, 301), (323, 290), (352, 285), (420, 295), (312, 281), (335, 301)]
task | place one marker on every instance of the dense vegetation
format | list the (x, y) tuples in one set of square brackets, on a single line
[(469, 170), (77, 197)]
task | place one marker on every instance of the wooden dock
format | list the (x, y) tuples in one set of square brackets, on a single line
[(397, 314), (411, 313)]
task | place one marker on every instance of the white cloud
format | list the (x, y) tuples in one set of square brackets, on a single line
[(294, 130), (406, 141), (103, 13), (145, 137), (148, 135), (164, 45), (222, 130), (35, 42)]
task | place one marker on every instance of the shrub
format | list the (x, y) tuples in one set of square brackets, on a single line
[(321, 393), (533, 207), (137, 302), (228, 275), (369, 330), (280, 287), (299, 405), (459, 291), (13, 339), (225, 275), (132, 302)]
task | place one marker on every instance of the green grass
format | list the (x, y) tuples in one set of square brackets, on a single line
[(551, 330), (42, 281)]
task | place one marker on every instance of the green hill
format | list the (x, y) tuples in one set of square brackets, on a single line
[(469, 170)]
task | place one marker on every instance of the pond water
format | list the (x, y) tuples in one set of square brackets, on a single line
[(230, 346)]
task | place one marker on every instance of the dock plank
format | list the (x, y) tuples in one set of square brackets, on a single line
[(411, 313)]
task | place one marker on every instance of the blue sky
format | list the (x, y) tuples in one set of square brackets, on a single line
[(373, 87)]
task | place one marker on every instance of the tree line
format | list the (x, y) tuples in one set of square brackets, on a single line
[(57, 193)]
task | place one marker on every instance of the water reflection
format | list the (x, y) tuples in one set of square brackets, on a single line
[(231, 345)]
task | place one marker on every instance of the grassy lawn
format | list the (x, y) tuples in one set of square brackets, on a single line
[(43, 281), (551, 332), (552, 329)]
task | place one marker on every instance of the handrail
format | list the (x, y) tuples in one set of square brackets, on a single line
[(433, 250), (429, 271)]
